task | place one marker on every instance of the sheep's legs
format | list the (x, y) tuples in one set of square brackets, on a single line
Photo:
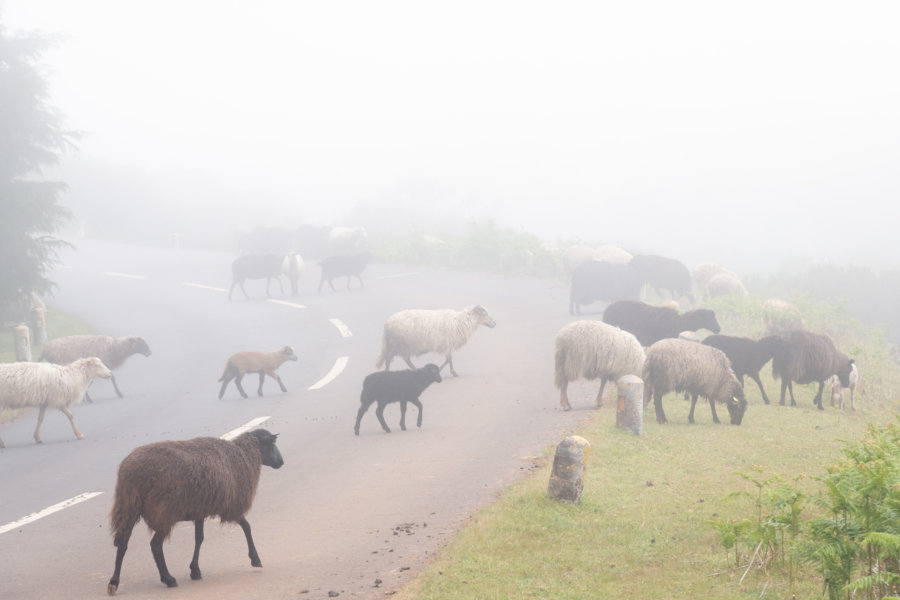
[(121, 547), (657, 404), (65, 411), (274, 376), (564, 396), (418, 404), (712, 407), (600, 393), (379, 412), (449, 361), (818, 399), (251, 548), (363, 407), (116, 387), (237, 382), (408, 362), (198, 539), (156, 548), (761, 389), (785, 386), (693, 404), (403, 416), (262, 377)]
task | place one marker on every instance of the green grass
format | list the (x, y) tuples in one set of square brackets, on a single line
[(645, 525), (58, 325)]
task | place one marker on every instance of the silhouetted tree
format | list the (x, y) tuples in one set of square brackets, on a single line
[(31, 138)]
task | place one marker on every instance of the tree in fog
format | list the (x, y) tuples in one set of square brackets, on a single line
[(31, 138)]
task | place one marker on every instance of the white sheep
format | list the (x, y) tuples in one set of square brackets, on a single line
[(347, 240), (837, 390), (674, 365), (292, 267), (264, 362), (724, 284), (47, 385), (415, 332), (780, 316), (112, 351), (594, 350)]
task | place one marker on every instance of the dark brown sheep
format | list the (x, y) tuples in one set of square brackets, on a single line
[(747, 356), (255, 266), (649, 324), (190, 480), (809, 358)]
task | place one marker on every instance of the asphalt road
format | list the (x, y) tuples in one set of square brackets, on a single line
[(344, 510)]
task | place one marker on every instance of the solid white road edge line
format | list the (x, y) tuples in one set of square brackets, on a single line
[(291, 304), (206, 287), (48, 511), (341, 327), (339, 365), (245, 427), (125, 275)]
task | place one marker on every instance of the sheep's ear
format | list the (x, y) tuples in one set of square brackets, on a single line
[(852, 361)]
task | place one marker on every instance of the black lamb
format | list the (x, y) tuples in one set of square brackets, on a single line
[(663, 273), (809, 358), (385, 387), (747, 356), (598, 280), (344, 265), (649, 324)]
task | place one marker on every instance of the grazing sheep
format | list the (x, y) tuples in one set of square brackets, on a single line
[(189, 480), (594, 350), (663, 273), (292, 267), (112, 351), (649, 324), (808, 358), (837, 390), (747, 356), (597, 280), (347, 240), (723, 284), (674, 365), (255, 266), (414, 332), (349, 265), (704, 272), (780, 317), (46, 385), (255, 361), (404, 387)]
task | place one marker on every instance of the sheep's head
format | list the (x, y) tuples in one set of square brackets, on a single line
[(704, 318), (137, 345), (271, 457), (737, 406), (482, 316), (844, 372), (288, 353), (94, 367), (433, 371)]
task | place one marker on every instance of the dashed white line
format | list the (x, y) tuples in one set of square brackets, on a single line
[(339, 365), (48, 511), (125, 275), (341, 327), (282, 302), (245, 427), (205, 287)]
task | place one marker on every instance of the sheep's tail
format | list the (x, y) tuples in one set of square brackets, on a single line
[(225, 372), (560, 377), (126, 511)]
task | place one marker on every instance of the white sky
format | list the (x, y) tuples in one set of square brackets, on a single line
[(701, 130)]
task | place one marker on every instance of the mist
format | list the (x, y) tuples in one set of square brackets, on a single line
[(746, 135)]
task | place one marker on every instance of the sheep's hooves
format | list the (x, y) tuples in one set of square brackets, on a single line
[(196, 576), (170, 582), (256, 563), (112, 588)]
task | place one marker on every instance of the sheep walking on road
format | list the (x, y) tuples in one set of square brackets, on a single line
[(809, 358), (112, 351), (662, 273), (649, 324), (384, 387), (415, 332), (674, 365), (594, 350), (344, 265), (747, 356), (47, 385), (191, 480), (255, 266), (264, 362)]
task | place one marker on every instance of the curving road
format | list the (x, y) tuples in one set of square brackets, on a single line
[(345, 510)]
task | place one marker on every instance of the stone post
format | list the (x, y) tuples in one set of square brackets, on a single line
[(567, 478), (630, 408), (22, 341), (40, 324)]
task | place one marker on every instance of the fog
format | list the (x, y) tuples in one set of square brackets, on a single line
[(743, 134)]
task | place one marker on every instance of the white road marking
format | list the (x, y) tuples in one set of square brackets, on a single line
[(291, 304), (125, 275), (245, 427), (339, 365), (341, 327), (206, 287), (48, 511)]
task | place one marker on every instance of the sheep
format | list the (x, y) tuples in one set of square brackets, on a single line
[(347, 240), (47, 385), (580, 253), (255, 361), (612, 254), (594, 350), (682, 366), (191, 480), (704, 272), (808, 358), (597, 280), (348, 265), (780, 316), (414, 332), (404, 387), (747, 356), (292, 267), (649, 324), (837, 390), (255, 266), (723, 284), (112, 351), (663, 273)]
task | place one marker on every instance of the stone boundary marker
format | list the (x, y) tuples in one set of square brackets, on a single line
[(569, 464), (630, 408)]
